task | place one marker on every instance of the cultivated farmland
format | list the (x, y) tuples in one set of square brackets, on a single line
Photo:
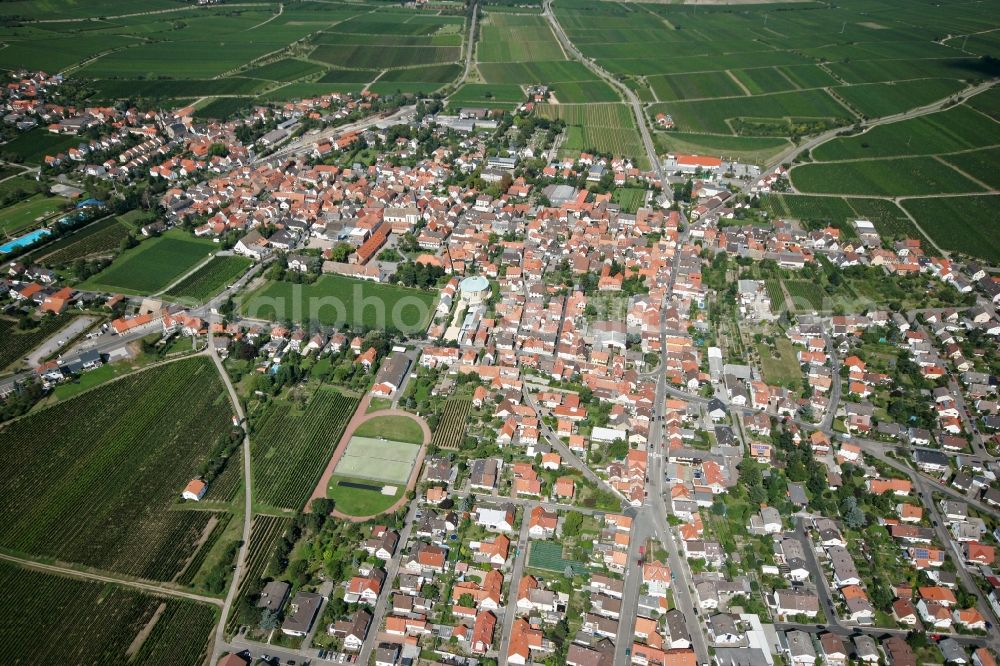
[(903, 176), (291, 446), (210, 279), (100, 238), (154, 264), (16, 343), (50, 619), (604, 128), (120, 455), (334, 300), (963, 224), (264, 534), (450, 431)]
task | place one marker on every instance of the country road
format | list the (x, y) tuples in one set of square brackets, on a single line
[(104, 578)]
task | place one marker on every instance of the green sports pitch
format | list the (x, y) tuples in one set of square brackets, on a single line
[(378, 460)]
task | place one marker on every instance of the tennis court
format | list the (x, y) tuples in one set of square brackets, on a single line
[(378, 460)]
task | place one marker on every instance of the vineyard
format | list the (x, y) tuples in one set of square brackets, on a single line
[(101, 238), (264, 535), (15, 344), (119, 455), (224, 487), (54, 620), (186, 577), (451, 427), (290, 449), (209, 279)]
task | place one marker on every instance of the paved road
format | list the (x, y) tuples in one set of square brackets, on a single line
[(105, 578), (391, 570), (517, 571)]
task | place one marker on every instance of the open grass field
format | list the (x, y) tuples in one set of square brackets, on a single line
[(897, 177), (334, 300), (100, 238), (780, 366), (394, 427), (356, 496), (375, 459), (969, 225), (29, 213), (51, 619), (15, 343), (210, 279), (291, 445), (119, 455), (153, 264)]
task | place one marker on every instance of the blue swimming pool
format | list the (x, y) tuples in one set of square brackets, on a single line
[(24, 240)]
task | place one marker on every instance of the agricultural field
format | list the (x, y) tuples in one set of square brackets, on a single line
[(264, 534), (604, 128), (334, 300), (750, 148), (29, 213), (983, 165), (32, 147), (548, 556), (292, 444), (780, 71), (491, 95), (210, 279), (15, 343), (818, 211), (100, 238), (221, 108), (128, 460), (896, 177), (961, 224), (52, 619), (286, 69), (629, 198), (805, 296), (153, 264), (959, 128), (450, 431)]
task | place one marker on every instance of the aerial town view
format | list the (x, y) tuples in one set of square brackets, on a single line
[(500, 332)]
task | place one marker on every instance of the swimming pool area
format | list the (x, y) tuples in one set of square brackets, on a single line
[(24, 240)]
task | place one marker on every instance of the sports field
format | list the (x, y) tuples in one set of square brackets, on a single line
[(380, 460), (28, 213), (152, 265)]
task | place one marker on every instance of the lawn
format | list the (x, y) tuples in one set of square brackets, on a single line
[(780, 366), (153, 264), (120, 456), (26, 214), (396, 428), (334, 300), (354, 501), (210, 279), (492, 95)]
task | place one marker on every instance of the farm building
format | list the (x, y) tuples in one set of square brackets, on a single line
[(194, 490)]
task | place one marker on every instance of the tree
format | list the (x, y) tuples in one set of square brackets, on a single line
[(572, 524), (467, 601), (268, 620)]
